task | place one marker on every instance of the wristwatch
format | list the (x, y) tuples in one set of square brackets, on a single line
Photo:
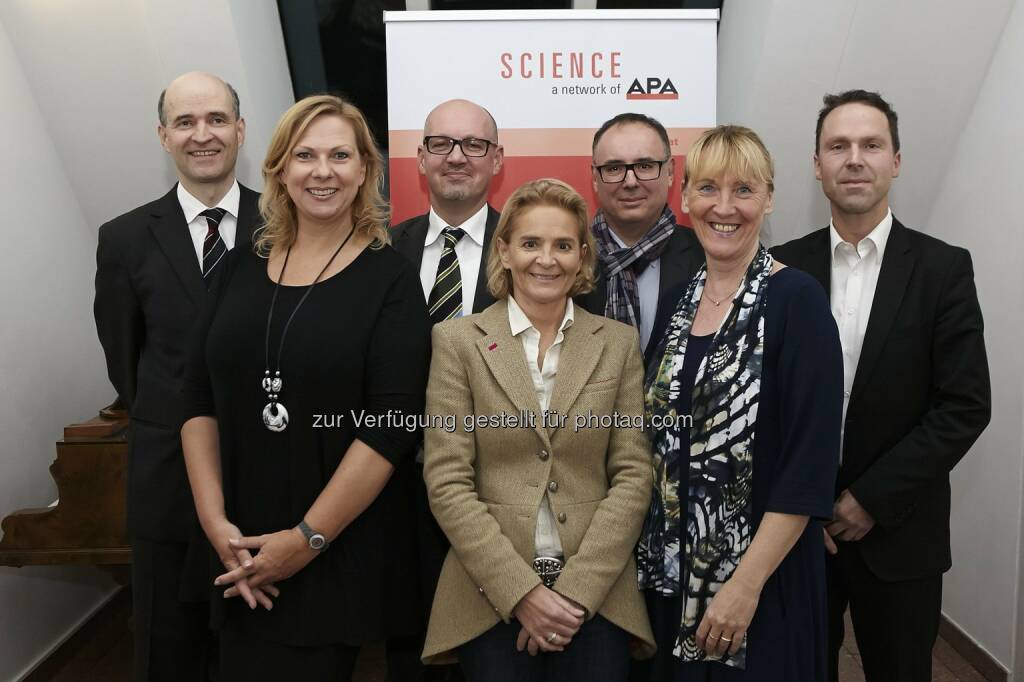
[(316, 540)]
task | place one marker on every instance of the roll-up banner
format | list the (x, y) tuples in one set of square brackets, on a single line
[(550, 79)]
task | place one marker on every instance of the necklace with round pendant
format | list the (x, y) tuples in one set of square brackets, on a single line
[(275, 414)]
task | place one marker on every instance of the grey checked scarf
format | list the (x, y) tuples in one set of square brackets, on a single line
[(617, 263), (718, 469)]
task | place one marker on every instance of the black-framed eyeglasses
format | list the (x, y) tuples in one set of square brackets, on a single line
[(643, 170), (470, 146)]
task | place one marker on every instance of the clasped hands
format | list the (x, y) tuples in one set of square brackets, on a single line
[(543, 613), (850, 521), (279, 556)]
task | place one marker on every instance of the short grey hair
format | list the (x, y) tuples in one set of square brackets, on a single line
[(235, 104)]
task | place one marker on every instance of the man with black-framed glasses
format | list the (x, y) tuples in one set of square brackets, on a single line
[(643, 254), (459, 156)]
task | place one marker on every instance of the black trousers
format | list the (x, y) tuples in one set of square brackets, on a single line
[(432, 547), (598, 653), (895, 623), (245, 657), (173, 641)]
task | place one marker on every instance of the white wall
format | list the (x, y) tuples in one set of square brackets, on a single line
[(79, 84), (953, 75), (976, 206), (52, 374)]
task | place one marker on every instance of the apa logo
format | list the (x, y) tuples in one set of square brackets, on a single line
[(654, 89)]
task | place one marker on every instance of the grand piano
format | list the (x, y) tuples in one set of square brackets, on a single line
[(87, 523)]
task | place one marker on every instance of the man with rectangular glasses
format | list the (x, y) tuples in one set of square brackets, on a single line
[(643, 254), (459, 157)]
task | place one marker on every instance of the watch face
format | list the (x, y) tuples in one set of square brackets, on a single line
[(317, 542)]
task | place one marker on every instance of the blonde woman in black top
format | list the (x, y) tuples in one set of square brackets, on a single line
[(310, 356)]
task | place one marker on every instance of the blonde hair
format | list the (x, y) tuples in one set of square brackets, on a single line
[(370, 212), (543, 192), (730, 149)]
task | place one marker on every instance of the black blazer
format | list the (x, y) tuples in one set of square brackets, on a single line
[(920, 397), (149, 290), (679, 263), (407, 238)]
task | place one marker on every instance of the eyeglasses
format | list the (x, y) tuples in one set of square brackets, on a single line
[(470, 146), (642, 170)]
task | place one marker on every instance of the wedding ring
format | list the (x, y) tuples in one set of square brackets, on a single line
[(552, 637), (726, 639), (712, 636)]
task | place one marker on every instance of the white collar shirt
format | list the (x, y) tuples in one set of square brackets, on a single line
[(469, 250), (648, 287), (197, 225), (854, 278), (545, 536)]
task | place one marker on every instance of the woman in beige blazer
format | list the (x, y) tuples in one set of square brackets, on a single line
[(538, 469)]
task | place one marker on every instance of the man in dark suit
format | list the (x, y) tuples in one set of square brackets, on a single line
[(154, 265), (642, 253), (916, 392), (459, 157)]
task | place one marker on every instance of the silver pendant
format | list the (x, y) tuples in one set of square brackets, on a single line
[(272, 385), (275, 416)]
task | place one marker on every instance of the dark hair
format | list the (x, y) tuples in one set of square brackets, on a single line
[(631, 117), (235, 104), (872, 99)]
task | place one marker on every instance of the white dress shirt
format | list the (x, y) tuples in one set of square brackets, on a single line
[(545, 536), (469, 250), (648, 286), (854, 278), (197, 225)]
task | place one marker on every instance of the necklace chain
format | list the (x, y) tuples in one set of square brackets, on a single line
[(718, 302), (275, 416)]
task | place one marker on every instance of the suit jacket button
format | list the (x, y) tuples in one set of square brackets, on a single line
[(561, 517), (543, 454), (553, 487), (481, 590)]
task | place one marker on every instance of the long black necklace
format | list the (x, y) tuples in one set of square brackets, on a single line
[(275, 415)]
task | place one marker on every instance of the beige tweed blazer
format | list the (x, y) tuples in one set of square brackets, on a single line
[(485, 484)]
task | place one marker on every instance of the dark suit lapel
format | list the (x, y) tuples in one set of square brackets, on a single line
[(818, 261), (482, 299), (409, 242), (897, 267), (675, 264), (503, 354), (248, 216), (167, 222)]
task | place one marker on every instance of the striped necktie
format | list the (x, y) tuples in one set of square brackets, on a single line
[(214, 247), (445, 300)]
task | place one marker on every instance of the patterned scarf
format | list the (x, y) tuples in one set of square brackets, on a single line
[(720, 467), (623, 301)]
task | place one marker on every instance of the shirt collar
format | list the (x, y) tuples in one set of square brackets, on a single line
[(617, 239), (878, 236), (519, 322), (192, 207), (474, 226)]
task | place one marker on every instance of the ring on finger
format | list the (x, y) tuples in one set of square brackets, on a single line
[(712, 636), (552, 637), (726, 639)]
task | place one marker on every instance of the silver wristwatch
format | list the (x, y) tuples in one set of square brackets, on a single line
[(316, 540)]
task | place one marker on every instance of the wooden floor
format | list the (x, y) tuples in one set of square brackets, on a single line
[(103, 654)]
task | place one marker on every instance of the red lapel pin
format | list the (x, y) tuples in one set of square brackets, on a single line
[(492, 346)]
